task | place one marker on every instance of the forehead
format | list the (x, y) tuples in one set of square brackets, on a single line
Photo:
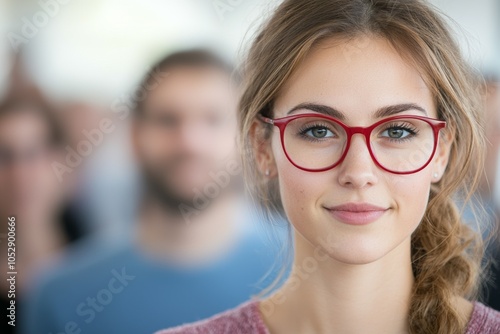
[(22, 128), (357, 77), (188, 84)]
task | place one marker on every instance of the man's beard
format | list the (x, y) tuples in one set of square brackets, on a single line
[(166, 191), (167, 195)]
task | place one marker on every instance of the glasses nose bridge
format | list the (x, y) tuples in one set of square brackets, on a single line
[(364, 131)]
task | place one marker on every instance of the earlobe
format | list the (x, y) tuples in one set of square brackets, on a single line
[(261, 146), (442, 155), (436, 177)]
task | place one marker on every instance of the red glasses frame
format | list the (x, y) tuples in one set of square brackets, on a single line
[(281, 123)]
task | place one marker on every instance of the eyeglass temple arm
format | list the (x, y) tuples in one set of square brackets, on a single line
[(265, 119)]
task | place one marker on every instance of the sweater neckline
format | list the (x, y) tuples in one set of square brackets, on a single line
[(256, 315)]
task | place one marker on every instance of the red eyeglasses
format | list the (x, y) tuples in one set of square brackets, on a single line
[(398, 144)]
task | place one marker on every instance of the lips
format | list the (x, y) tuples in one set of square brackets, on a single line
[(356, 213)]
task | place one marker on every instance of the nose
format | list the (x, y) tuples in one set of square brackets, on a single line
[(357, 170), (191, 137)]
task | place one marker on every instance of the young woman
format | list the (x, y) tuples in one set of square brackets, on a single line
[(362, 120)]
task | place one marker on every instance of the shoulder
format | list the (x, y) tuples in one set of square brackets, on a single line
[(244, 319), (83, 263), (484, 320)]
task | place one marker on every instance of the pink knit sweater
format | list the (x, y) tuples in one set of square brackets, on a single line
[(246, 319)]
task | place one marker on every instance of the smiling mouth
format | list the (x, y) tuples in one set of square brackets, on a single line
[(356, 213)]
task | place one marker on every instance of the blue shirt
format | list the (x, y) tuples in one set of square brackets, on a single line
[(117, 289)]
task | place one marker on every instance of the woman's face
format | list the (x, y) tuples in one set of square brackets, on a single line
[(356, 78)]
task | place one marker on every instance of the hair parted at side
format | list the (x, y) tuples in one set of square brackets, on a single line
[(446, 253)]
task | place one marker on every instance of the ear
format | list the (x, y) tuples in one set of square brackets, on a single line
[(442, 154), (261, 146)]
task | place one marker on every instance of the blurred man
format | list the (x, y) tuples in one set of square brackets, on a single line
[(30, 197), (196, 249)]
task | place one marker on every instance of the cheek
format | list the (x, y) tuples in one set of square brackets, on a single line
[(224, 146), (152, 147), (410, 194), (300, 190)]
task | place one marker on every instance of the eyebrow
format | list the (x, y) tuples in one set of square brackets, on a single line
[(381, 112)]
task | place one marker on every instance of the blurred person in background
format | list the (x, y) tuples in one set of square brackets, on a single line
[(24, 92), (93, 194), (195, 249), (30, 195), (486, 191)]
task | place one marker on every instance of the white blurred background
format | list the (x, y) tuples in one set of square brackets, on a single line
[(115, 40)]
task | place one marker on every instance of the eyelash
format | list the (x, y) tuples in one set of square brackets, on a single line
[(406, 127), (303, 130)]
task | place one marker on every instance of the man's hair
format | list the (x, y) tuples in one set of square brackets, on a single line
[(195, 58)]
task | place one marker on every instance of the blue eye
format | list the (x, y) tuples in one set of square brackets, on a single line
[(318, 132), (396, 133), (399, 132)]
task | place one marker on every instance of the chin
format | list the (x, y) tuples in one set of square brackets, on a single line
[(355, 250), (358, 258)]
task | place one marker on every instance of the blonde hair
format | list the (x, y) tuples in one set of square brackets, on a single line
[(446, 253)]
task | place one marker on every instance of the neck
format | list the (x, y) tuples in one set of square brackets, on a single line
[(323, 295), (187, 236)]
